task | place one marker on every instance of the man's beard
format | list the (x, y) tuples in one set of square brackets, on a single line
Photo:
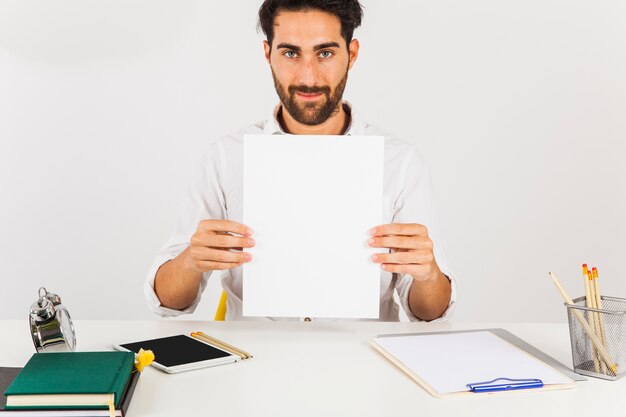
[(311, 113)]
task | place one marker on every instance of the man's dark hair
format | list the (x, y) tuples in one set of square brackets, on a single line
[(349, 12)]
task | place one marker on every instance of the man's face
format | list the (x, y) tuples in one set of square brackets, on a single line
[(310, 62)]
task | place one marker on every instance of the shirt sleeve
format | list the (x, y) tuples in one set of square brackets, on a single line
[(203, 200), (415, 205)]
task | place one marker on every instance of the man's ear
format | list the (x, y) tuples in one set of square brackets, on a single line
[(267, 48), (353, 51)]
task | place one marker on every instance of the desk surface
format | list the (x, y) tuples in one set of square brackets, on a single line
[(319, 369)]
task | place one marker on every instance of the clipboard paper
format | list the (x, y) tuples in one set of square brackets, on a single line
[(444, 364)]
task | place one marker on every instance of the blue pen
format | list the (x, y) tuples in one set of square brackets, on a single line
[(505, 384)]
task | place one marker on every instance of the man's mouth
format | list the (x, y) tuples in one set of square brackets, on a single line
[(308, 96)]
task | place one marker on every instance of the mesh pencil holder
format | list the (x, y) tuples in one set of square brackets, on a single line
[(609, 325)]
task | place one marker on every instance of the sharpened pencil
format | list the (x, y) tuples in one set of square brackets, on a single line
[(596, 290), (589, 303), (598, 344), (595, 323), (222, 345)]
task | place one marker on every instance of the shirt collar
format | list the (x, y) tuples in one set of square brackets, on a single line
[(272, 127)]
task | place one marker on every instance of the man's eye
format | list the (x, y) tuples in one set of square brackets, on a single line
[(326, 54), (290, 54)]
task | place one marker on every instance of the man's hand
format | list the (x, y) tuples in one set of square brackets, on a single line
[(218, 245), (412, 253), (411, 250)]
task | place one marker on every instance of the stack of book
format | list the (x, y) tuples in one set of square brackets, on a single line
[(69, 384)]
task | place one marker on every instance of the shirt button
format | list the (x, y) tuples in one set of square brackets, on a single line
[(307, 319)]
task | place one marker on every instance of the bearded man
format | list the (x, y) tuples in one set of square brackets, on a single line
[(310, 49)]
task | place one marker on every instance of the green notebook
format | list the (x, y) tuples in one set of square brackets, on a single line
[(71, 379)]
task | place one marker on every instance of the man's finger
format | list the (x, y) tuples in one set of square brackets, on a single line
[(412, 257), (399, 269), (397, 242), (222, 241), (216, 266), (228, 226), (402, 229), (417, 271), (221, 256)]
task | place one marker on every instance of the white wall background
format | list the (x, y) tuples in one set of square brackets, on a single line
[(519, 108)]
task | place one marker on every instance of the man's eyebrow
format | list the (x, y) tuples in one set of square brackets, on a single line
[(315, 48), (326, 45), (288, 46)]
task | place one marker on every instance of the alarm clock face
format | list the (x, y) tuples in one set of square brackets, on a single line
[(67, 328)]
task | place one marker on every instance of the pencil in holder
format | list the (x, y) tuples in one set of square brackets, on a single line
[(609, 326)]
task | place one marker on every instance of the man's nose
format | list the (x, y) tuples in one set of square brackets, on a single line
[(309, 72)]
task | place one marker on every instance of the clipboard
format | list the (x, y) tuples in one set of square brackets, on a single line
[(466, 363), (520, 343)]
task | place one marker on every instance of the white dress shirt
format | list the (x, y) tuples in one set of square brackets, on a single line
[(217, 193)]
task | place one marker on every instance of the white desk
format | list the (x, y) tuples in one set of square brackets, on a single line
[(320, 369)]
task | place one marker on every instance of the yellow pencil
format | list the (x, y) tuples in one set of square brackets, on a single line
[(589, 303), (605, 355), (596, 316), (596, 288)]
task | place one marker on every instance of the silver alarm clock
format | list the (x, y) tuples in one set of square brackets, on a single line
[(51, 325)]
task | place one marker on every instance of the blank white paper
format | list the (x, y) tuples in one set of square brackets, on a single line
[(448, 362), (311, 201)]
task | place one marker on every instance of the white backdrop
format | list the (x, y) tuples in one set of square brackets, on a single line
[(519, 108)]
